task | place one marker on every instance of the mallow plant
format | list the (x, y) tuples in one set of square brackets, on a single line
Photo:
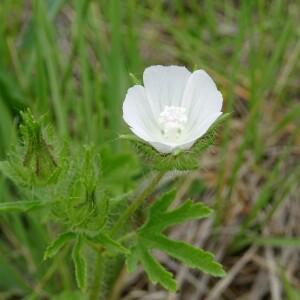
[(173, 118)]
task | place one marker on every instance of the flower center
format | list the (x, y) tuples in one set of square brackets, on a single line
[(172, 121)]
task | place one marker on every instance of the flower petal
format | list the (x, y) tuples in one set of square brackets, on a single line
[(201, 127), (138, 115), (161, 147), (165, 85), (194, 135), (201, 98), (169, 148)]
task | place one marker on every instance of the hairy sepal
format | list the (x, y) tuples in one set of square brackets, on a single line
[(179, 159)]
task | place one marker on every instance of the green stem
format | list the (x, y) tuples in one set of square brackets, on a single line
[(134, 206), (97, 280)]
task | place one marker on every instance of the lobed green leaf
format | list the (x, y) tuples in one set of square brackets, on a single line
[(155, 271), (159, 219), (191, 256), (150, 237)]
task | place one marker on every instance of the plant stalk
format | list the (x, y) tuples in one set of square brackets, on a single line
[(134, 206), (97, 279)]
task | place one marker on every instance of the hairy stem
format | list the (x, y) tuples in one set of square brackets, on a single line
[(97, 278), (134, 206)]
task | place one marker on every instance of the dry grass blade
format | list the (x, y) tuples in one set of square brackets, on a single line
[(219, 288)]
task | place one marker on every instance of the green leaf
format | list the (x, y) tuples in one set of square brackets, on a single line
[(150, 236), (155, 270), (20, 206), (58, 243), (191, 256), (108, 243), (132, 259), (14, 170), (79, 263), (159, 219)]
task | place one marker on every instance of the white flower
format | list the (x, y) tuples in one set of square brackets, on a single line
[(174, 108)]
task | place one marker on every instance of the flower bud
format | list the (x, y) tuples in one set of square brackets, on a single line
[(38, 159), (39, 156), (81, 203)]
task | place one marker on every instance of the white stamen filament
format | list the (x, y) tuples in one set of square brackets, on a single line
[(172, 121)]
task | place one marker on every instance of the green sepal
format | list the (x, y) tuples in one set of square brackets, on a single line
[(134, 79), (178, 160)]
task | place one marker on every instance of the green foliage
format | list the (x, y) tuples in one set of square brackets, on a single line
[(57, 244), (79, 263), (178, 160), (80, 200), (67, 295), (101, 241), (118, 169), (155, 271), (108, 243), (38, 160), (81, 90), (69, 183), (20, 206), (150, 236)]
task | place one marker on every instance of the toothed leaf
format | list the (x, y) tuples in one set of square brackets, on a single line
[(150, 236), (191, 256), (155, 271)]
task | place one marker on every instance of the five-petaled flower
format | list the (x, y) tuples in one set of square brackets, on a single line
[(174, 108)]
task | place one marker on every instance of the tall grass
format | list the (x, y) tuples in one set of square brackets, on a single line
[(72, 60)]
